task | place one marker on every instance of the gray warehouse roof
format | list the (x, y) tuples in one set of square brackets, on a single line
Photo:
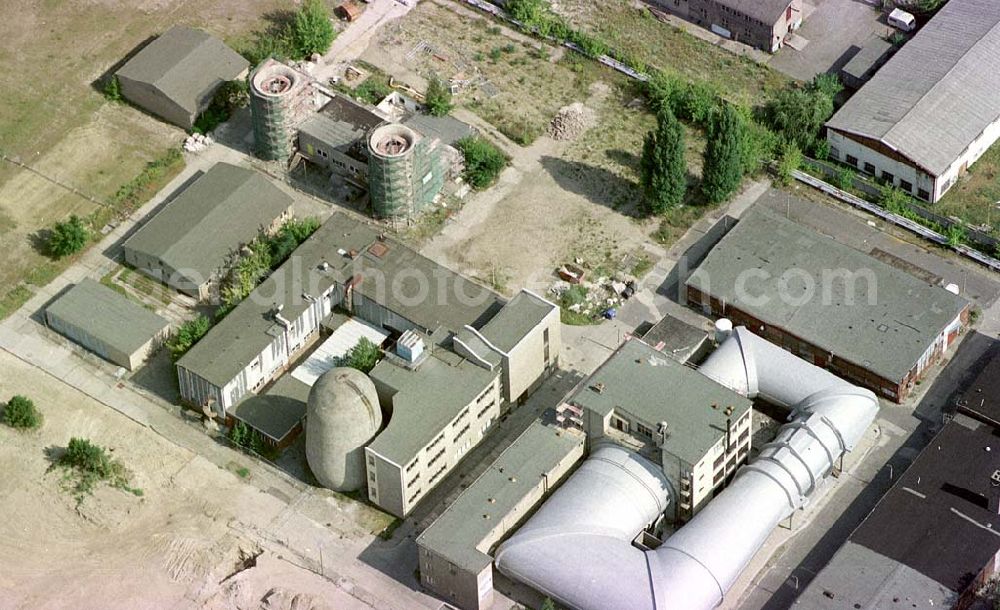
[(888, 325), (425, 400), (394, 279), (517, 318), (654, 387), (107, 316), (766, 11), (341, 124), (277, 412), (931, 532), (185, 64), (938, 93), (222, 210), (459, 533)]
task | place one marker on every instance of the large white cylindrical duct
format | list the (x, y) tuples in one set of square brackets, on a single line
[(577, 548)]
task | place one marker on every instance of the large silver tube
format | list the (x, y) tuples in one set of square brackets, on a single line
[(579, 552)]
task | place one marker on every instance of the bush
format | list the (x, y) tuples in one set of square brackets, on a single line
[(363, 356), (68, 237), (724, 156), (438, 98), (91, 464), (790, 160), (187, 335), (483, 161), (248, 439), (528, 12), (956, 235), (229, 97), (373, 90), (663, 168), (20, 413), (845, 179), (311, 30), (113, 89), (798, 113), (894, 200)]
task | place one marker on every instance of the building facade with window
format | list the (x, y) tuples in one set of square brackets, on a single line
[(697, 429), (932, 110), (759, 23)]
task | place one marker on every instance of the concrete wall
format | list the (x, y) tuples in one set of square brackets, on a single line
[(167, 275), (152, 100), (320, 153), (433, 462), (526, 366)]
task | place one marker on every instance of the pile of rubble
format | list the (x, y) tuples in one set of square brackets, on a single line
[(197, 142), (570, 122)]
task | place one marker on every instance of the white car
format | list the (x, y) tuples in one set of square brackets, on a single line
[(902, 20)]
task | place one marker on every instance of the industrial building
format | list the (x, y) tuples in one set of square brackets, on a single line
[(455, 551), (281, 98), (278, 414), (759, 23), (441, 406), (932, 110), (594, 543), (334, 137), (839, 308), (345, 264), (189, 241), (932, 540), (695, 429), (107, 323), (176, 75)]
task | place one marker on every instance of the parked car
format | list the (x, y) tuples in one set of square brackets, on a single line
[(902, 20)]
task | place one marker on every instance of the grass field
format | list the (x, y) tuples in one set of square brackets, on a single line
[(976, 196), (54, 119), (633, 31)]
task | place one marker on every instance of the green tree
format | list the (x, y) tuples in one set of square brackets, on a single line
[(798, 113), (68, 237), (528, 12), (20, 412), (790, 160), (187, 335), (363, 356), (724, 156), (483, 161), (548, 604), (312, 31), (663, 168), (113, 89), (438, 97)]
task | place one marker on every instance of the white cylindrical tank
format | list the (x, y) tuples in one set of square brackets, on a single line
[(952, 288), (723, 328), (343, 414)]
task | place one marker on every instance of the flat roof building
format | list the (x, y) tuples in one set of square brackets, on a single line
[(278, 413), (842, 309), (764, 24), (932, 110), (454, 552), (345, 264), (932, 540), (107, 323), (869, 58), (188, 243), (334, 137), (697, 429), (176, 75)]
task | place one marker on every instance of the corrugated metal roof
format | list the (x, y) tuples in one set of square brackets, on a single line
[(107, 316), (938, 93), (185, 64), (335, 347)]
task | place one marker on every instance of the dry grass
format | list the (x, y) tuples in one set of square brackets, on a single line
[(974, 199), (635, 32), (56, 120)]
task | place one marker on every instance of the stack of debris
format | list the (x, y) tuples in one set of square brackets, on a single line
[(570, 122), (197, 142)]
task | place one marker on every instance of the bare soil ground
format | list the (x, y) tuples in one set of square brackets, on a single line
[(181, 545), (54, 120)]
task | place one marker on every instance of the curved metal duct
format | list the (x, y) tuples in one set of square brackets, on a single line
[(577, 548)]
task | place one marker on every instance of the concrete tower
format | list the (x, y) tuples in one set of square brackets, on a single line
[(343, 414), (404, 171), (280, 99)]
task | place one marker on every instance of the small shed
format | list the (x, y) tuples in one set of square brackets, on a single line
[(107, 323), (349, 11), (869, 58)]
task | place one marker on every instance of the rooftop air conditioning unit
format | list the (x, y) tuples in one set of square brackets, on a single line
[(410, 346)]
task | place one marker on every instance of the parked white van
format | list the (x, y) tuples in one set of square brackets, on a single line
[(902, 20)]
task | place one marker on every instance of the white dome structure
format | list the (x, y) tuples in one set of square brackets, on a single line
[(343, 414)]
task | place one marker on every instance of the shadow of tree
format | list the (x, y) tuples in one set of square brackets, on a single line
[(597, 184)]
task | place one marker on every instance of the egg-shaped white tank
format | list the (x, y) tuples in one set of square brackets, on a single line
[(343, 414), (723, 328)]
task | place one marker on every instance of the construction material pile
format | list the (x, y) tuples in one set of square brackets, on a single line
[(570, 122), (197, 142)]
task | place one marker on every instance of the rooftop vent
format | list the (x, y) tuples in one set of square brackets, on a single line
[(410, 346)]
